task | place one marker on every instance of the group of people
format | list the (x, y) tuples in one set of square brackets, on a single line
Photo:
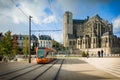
[(100, 53)]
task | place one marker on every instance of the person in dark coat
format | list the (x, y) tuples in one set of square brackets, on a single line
[(98, 53), (101, 53)]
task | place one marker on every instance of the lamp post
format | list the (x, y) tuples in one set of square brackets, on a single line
[(30, 39)]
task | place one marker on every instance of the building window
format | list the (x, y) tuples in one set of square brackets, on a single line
[(113, 41), (20, 38), (73, 42), (46, 43), (70, 42), (93, 40), (106, 40), (68, 18), (78, 42), (83, 41)]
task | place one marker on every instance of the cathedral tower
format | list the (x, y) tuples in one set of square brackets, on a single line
[(67, 27)]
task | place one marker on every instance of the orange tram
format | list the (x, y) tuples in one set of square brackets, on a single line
[(41, 55)]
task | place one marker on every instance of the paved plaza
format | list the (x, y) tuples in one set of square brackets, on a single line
[(71, 69)]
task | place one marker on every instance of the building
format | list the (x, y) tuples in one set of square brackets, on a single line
[(19, 39), (91, 34), (45, 41)]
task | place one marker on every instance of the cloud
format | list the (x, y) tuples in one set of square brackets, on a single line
[(49, 19), (5, 4), (57, 36), (14, 16), (44, 12), (19, 9), (116, 23), (116, 26)]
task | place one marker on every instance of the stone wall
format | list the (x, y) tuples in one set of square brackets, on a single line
[(105, 50), (115, 50)]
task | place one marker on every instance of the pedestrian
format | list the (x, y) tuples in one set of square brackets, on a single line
[(99, 54)]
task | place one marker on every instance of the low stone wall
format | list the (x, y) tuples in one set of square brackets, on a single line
[(105, 50), (115, 50), (33, 60), (21, 58)]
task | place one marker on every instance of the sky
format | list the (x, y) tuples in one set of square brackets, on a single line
[(48, 15)]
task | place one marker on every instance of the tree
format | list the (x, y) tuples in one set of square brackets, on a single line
[(6, 46), (15, 44), (55, 44), (25, 46), (1, 39)]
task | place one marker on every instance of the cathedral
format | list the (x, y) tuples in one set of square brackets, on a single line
[(91, 34)]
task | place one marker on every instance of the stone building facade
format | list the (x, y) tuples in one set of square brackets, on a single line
[(20, 40), (44, 41), (91, 34)]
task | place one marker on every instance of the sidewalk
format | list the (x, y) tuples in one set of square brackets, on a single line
[(110, 65), (75, 69), (72, 69)]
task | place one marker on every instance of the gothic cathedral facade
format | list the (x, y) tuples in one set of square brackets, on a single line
[(91, 34)]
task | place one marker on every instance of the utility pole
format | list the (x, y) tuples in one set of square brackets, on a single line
[(30, 39)]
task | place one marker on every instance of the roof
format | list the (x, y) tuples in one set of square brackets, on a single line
[(45, 37), (33, 37), (75, 21), (96, 17), (71, 36)]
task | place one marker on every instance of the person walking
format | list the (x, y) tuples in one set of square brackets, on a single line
[(99, 54)]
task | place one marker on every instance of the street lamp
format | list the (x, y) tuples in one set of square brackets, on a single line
[(30, 39)]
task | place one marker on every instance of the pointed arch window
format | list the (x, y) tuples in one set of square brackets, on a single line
[(68, 18)]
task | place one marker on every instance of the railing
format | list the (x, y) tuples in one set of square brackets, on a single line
[(105, 55)]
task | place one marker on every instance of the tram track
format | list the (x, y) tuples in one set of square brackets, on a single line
[(55, 73), (44, 71), (7, 73), (13, 78), (37, 71), (13, 75)]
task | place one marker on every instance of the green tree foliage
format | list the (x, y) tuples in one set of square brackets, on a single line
[(58, 45), (15, 45), (6, 45), (25, 46), (55, 43), (84, 54)]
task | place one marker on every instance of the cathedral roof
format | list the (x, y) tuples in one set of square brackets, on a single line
[(96, 17), (71, 36), (75, 21)]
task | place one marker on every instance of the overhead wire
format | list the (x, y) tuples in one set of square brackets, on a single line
[(32, 20), (53, 13), (25, 14)]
